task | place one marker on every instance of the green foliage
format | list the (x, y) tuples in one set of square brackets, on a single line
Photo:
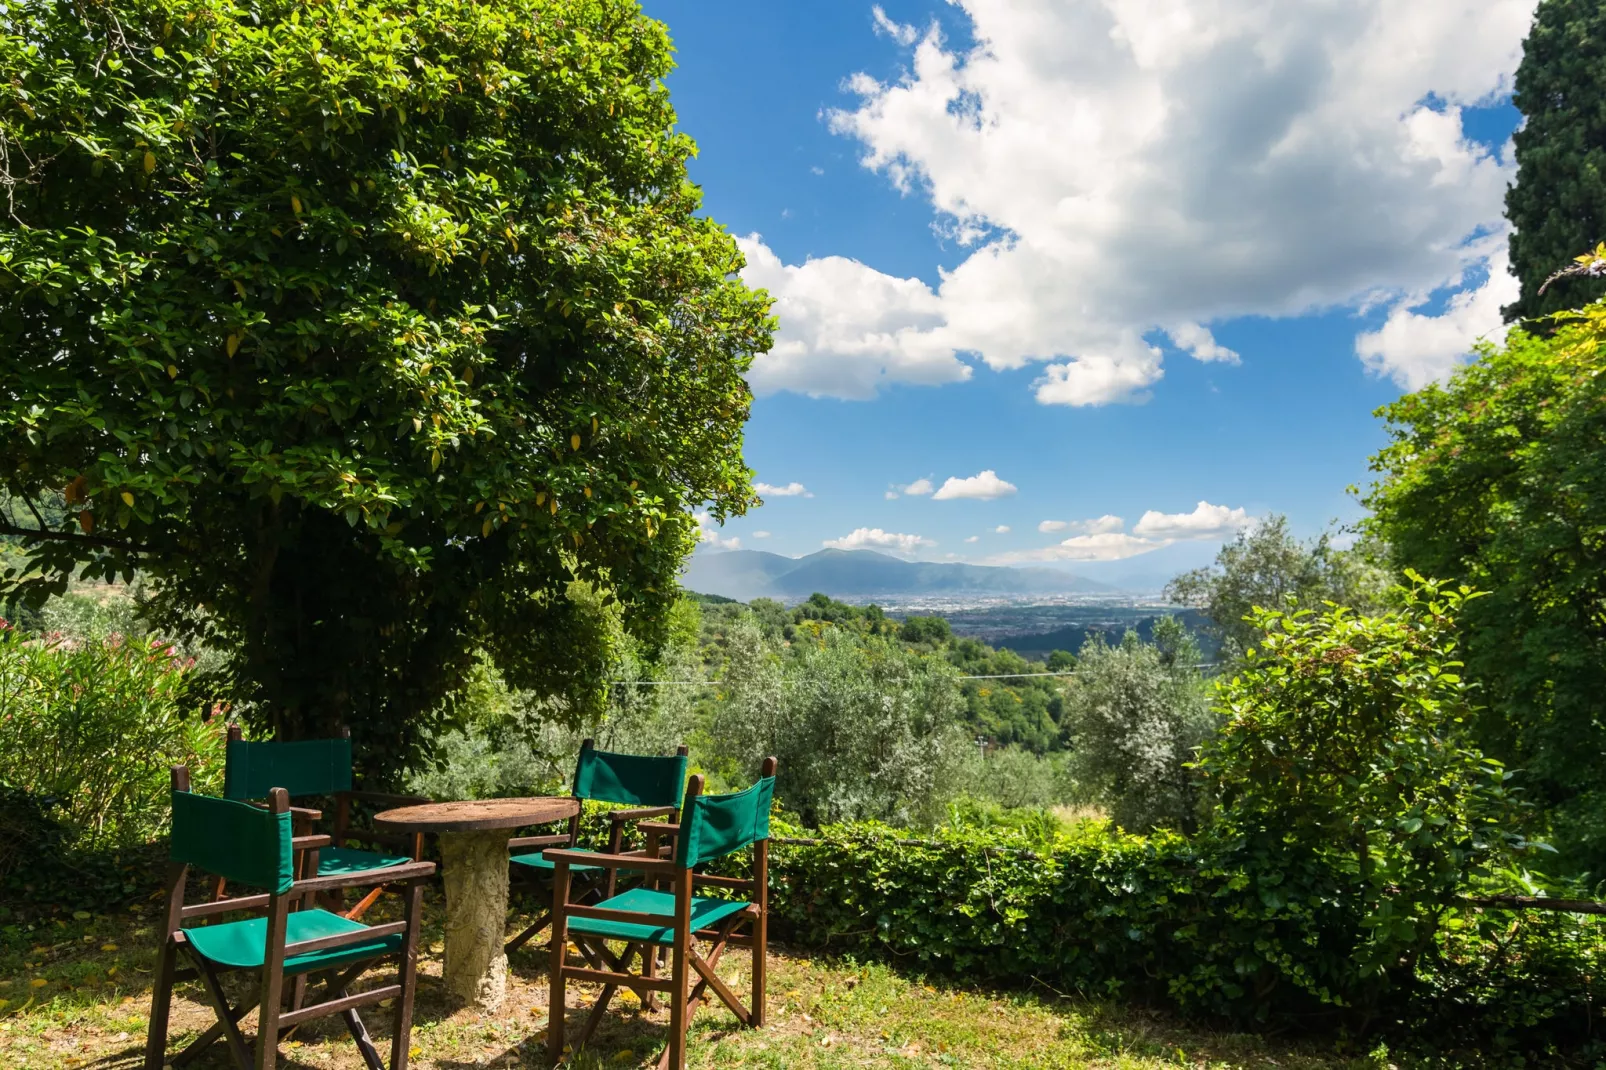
[(1135, 714), (1346, 739), (862, 727), (361, 330), (1557, 205), (1012, 711), (1266, 567), (91, 727), (1498, 479), (1195, 924), (933, 630)]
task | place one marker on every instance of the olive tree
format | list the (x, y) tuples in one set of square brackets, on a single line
[(362, 331)]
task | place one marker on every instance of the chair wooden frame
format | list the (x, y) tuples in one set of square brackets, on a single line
[(274, 1021), (618, 820), (612, 971), (305, 817)]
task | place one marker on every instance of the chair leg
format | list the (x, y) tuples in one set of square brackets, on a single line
[(674, 1057), (359, 1033), (761, 961), (402, 1027), (226, 1015), (525, 936), (213, 1034), (364, 903), (161, 1004)]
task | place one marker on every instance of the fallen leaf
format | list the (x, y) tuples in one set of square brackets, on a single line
[(38, 982), (108, 947)]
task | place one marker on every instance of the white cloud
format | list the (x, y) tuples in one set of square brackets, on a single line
[(985, 486), (918, 487), (1108, 546), (974, 538), (1200, 344), (1096, 526), (1205, 522), (904, 35), (711, 536), (1002, 529), (791, 490), (1117, 168), (1415, 349), (876, 539), (846, 329), (890, 495), (761, 534)]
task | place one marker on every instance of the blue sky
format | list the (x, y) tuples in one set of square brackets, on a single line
[(1152, 273)]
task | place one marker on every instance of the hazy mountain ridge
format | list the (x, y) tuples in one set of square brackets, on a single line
[(748, 574)]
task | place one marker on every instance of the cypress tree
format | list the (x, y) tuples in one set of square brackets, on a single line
[(1558, 203)]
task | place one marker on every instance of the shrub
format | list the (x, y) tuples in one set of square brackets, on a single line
[(92, 726), (1189, 923), (1347, 739), (1136, 713), (862, 727)]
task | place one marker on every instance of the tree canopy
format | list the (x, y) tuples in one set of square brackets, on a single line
[(362, 330), (1498, 479), (1266, 567), (1557, 204)]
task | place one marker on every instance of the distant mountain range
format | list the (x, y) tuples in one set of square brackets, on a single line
[(856, 574)]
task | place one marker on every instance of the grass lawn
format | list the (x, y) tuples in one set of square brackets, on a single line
[(75, 992)]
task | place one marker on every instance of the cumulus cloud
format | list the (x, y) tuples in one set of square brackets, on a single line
[(1205, 522), (761, 534), (710, 536), (984, 486), (790, 490), (1116, 169), (1414, 348), (1200, 344), (1107, 546), (1096, 526), (1002, 529), (845, 328), (974, 538), (876, 539)]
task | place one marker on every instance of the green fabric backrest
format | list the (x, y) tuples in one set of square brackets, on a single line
[(630, 779), (312, 767), (233, 839), (715, 825)]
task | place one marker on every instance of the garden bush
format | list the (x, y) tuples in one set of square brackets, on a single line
[(89, 728)]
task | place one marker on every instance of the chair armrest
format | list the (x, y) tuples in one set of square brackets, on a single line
[(307, 843), (550, 840), (621, 816), (306, 813), (637, 860), (412, 871), (386, 797), (663, 827)]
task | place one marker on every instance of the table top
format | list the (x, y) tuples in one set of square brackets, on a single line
[(477, 815)]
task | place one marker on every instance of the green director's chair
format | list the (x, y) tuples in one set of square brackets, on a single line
[(650, 785), (646, 919), (254, 846), (319, 767)]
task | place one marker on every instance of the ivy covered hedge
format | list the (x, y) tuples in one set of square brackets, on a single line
[(1202, 925)]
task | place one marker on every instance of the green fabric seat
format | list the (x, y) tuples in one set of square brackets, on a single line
[(704, 913), (535, 861), (243, 944), (340, 861)]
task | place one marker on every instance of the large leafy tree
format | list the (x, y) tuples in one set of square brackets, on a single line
[(1498, 479), (1266, 567), (1558, 202), (363, 330)]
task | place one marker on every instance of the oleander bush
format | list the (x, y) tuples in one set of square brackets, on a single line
[(89, 729)]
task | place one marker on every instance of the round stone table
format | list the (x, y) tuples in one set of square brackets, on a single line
[(473, 838)]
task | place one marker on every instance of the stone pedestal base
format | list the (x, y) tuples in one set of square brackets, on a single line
[(474, 870)]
